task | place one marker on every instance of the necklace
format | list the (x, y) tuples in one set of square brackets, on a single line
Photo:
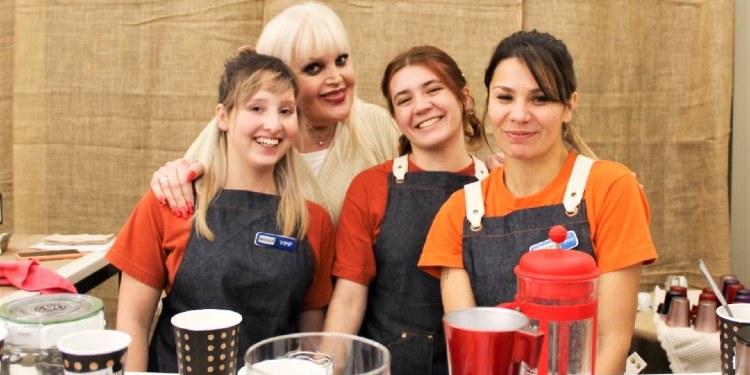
[(325, 138)]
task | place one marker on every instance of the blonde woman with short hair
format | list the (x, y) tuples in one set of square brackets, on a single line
[(341, 134)]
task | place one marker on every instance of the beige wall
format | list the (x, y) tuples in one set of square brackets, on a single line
[(741, 144), (7, 13), (103, 92)]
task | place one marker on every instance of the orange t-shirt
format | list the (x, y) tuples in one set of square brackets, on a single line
[(617, 212), (359, 223), (151, 245)]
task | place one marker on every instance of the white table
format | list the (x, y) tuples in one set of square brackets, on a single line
[(85, 272)]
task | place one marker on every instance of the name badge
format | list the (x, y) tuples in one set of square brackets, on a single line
[(571, 242), (275, 241)]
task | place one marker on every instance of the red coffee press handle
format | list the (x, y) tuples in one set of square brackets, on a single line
[(528, 348), (558, 234)]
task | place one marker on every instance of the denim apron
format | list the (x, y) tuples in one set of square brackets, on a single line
[(404, 307), (263, 284), (493, 246)]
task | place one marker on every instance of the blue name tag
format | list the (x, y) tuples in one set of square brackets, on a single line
[(571, 242), (275, 241)]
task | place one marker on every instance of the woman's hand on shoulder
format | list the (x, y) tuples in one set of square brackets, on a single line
[(172, 185)]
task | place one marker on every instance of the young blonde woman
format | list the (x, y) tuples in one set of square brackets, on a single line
[(215, 258), (380, 292), (531, 89), (341, 134)]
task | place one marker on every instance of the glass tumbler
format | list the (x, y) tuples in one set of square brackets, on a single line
[(317, 353)]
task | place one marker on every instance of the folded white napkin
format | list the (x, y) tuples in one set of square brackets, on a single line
[(77, 239), (687, 349)]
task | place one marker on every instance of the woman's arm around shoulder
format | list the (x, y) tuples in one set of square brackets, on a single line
[(172, 183)]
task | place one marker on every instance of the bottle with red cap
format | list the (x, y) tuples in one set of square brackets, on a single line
[(557, 291)]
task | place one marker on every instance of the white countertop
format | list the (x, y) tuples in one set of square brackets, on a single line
[(160, 373)]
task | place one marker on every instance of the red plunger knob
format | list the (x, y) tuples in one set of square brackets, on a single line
[(557, 234)]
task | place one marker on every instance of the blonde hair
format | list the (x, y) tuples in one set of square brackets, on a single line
[(313, 29), (245, 73), (301, 31)]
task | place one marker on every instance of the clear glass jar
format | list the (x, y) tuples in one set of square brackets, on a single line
[(35, 324)]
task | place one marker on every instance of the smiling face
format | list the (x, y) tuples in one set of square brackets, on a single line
[(526, 124), (326, 88), (426, 111), (260, 131)]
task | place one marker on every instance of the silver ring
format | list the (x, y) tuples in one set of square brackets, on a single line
[(163, 180)]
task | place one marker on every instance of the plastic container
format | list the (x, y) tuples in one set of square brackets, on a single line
[(35, 324)]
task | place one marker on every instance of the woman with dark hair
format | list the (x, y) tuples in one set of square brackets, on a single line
[(549, 177)]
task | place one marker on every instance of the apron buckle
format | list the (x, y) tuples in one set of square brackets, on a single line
[(571, 214)]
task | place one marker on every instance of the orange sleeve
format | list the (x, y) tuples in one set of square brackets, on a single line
[(151, 244), (443, 247), (321, 237), (621, 215), (359, 225)]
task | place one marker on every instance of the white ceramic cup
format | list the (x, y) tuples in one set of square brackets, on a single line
[(644, 301), (94, 352), (675, 280)]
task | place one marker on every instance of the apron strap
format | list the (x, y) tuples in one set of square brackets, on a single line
[(480, 170), (474, 200), (474, 204), (571, 201), (400, 166), (577, 184)]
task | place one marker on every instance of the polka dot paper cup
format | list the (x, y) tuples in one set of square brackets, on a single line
[(94, 352), (728, 327), (207, 341)]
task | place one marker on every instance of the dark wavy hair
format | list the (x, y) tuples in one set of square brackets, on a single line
[(551, 65)]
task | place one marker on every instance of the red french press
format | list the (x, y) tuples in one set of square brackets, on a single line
[(557, 291)]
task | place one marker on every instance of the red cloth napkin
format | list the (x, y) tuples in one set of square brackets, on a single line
[(31, 276)]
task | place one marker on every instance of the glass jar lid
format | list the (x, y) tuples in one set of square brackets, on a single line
[(50, 308)]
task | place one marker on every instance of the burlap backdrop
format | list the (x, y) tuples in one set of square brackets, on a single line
[(99, 94), (6, 110)]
